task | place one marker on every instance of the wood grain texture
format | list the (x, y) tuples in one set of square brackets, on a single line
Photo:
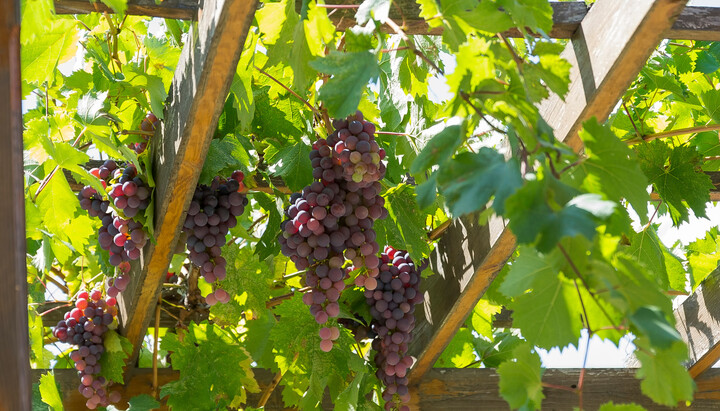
[(613, 43), (199, 88), (171, 9), (446, 389), (695, 23), (15, 387), (698, 321)]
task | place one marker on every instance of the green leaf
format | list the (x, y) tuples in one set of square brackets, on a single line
[(533, 14), (209, 357), (520, 381), (482, 316), (58, 204), (612, 168), (548, 315), (49, 392), (112, 361), (248, 281), (652, 323), (665, 378), (40, 57), (460, 351), (90, 106), (471, 179), (226, 154), (439, 148), (677, 177), (647, 249), (703, 255), (610, 406), (293, 165), (533, 220), (405, 225), (351, 73), (530, 265)]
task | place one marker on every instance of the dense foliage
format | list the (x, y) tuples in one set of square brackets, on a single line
[(589, 253)]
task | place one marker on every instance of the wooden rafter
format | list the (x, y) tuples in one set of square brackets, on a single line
[(695, 23), (610, 47), (199, 89), (15, 384), (446, 389), (698, 321)]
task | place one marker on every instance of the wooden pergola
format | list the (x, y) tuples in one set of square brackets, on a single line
[(609, 44)]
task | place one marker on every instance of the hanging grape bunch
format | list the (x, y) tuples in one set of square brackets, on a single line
[(147, 125), (211, 215), (331, 221), (392, 306), (121, 236), (84, 327)]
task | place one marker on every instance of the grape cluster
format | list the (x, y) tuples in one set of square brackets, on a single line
[(119, 234), (84, 327), (330, 222), (148, 124), (358, 152), (392, 306), (211, 214), (129, 192)]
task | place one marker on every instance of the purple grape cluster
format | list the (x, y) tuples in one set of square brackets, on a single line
[(330, 222), (358, 152), (84, 327), (120, 235), (392, 306), (148, 124), (211, 214), (130, 193)]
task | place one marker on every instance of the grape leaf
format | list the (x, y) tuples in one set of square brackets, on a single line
[(209, 357), (59, 204), (227, 154), (481, 318), (548, 316), (293, 165), (665, 378), (350, 74), (119, 6), (533, 220), (405, 225), (529, 265), (520, 381), (612, 168), (703, 255), (677, 177), (248, 281), (112, 361), (647, 249), (533, 14), (471, 179), (49, 391), (460, 351), (440, 148), (652, 323)]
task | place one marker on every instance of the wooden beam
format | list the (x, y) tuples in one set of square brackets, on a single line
[(15, 386), (695, 23), (698, 321), (200, 86), (443, 389), (170, 9), (611, 46)]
